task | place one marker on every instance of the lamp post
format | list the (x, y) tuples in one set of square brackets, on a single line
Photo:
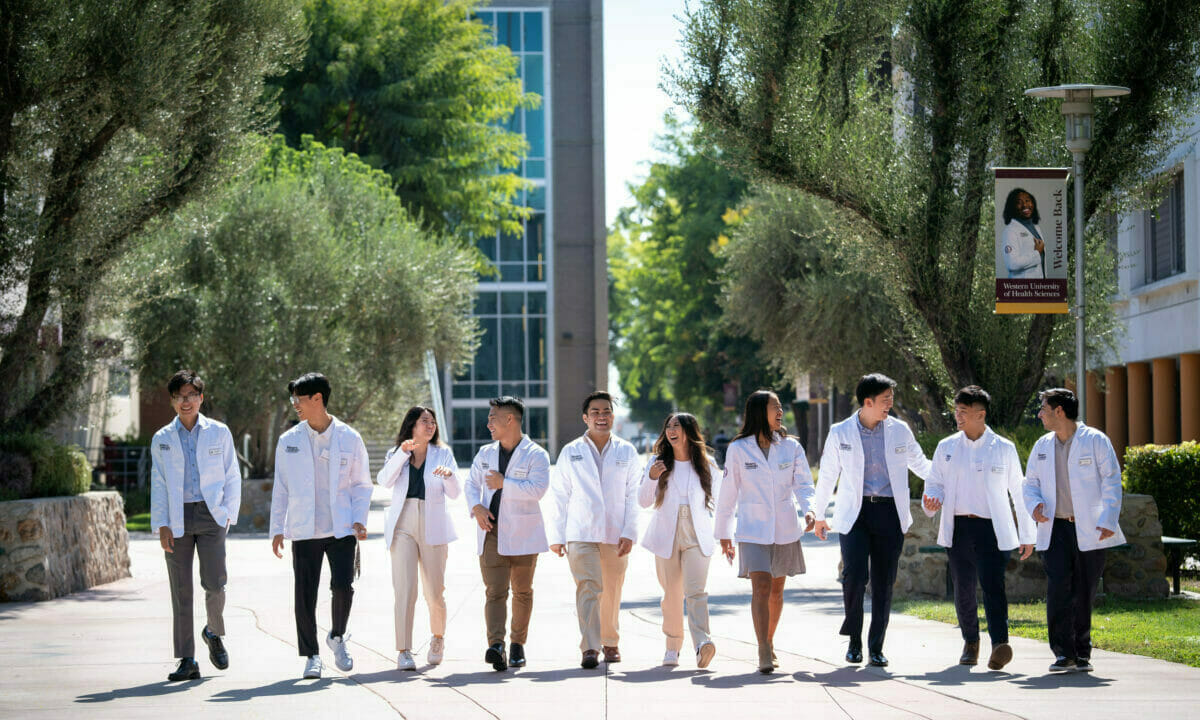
[(1077, 109)]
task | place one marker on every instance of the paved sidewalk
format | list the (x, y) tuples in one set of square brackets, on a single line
[(106, 653)]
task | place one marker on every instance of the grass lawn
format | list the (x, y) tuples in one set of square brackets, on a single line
[(138, 523), (1165, 629)]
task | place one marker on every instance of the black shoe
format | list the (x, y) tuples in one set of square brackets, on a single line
[(516, 655), (591, 659), (970, 654), (877, 658), (187, 670), (216, 649), (1083, 665), (495, 655), (854, 652), (1063, 664)]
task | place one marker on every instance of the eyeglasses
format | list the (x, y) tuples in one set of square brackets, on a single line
[(189, 398), (295, 400)]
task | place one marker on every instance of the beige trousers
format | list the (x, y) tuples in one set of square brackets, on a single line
[(599, 575), (499, 572), (683, 577), (410, 551)]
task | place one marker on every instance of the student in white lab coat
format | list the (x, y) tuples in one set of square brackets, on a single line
[(508, 478), (1024, 248), (595, 524), (418, 528), (681, 482), (319, 501), (975, 474), (1073, 491), (195, 495), (764, 470), (867, 458)]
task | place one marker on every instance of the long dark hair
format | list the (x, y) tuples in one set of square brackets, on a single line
[(1010, 206), (754, 421), (410, 421), (699, 456)]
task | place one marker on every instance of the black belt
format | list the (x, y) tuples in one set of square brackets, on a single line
[(1069, 518), (879, 498)]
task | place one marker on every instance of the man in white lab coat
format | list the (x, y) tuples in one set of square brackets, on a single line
[(596, 480), (195, 495), (319, 501), (867, 458), (508, 478), (1073, 491), (975, 474)]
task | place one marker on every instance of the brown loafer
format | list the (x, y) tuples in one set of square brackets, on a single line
[(1001, 655), (970, 654), (611, 654), (591, 659)]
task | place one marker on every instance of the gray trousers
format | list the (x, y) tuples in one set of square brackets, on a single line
[(204, 537)]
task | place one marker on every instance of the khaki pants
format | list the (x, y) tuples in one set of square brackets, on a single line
[(499, 572), (599, 575), (409, 550), (683, 576)]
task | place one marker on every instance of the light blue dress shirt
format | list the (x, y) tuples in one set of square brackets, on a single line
[(876, 480), (191, 469)]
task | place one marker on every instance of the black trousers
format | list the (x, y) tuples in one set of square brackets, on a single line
[(1072, 577), (870, 550), (975, 556), (307, 556)]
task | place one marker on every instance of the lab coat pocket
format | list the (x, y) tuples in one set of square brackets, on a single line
[(754, 514)]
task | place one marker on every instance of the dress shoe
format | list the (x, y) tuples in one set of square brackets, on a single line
[(970, 654), (611, 653), (877, 658), (516, 655), (854, 651), (1063, 664), (765, 664), (1001, 655), (1083, 665), (591, 659), (216, 649), (187, 670), (495, 656)]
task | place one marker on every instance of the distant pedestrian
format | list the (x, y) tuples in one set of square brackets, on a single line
[(721, 446)]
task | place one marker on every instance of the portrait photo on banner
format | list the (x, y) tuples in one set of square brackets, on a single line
[(1031, 240)]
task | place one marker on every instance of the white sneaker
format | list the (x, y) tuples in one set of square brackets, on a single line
[(704, 654), (437, 647), (671, 659), (312, 668), (404, 661), (341, 655)]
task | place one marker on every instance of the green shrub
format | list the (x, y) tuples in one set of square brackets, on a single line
[(1171, 474), (57, 469)]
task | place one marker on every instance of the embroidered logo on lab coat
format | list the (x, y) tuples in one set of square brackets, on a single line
[(846, 446), (291, 449), (576, 458), (947, 457), (483, 465), (1041, 456), (343, 462), (751, 466), (997, 468), (164, 447)]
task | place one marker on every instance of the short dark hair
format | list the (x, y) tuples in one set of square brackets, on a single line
[(311, 384), (510, 403), (973, 395), (597, 395), (184, 377), (872, 384), (1061, 398)]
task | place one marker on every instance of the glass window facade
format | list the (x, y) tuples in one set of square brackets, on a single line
[(514, 354)]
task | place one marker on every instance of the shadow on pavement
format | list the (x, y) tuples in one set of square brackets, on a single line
[(291, 686), (844, 677), (1053, 682), (154, 689), (492, 677), (955, 675), (748, 679), (657, 674)]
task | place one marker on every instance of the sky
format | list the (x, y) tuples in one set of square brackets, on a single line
[(638, 36)]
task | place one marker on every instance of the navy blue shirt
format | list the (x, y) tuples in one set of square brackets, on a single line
[(416, 481)]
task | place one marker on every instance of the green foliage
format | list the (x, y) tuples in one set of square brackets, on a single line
[(112, 113), (417, 89), (669, 346), (895, 111), (1170, 474), (312, 264), (57, 469)]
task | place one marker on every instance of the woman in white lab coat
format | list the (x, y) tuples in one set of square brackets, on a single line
[(680, 483), (765, 470), (418, 527)]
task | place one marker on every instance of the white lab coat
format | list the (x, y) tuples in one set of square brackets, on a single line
[(293, 497), (584, 510), (1095, 479), (659, 537), (764, 491), (843, 458), (439, 526), (220, 477), (1020, 256), (521, 530), (1002, 477)]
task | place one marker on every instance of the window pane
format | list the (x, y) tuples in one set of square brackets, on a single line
[(533, 32), (512, 303), (487, 246), (514, 122), (539, 424), (535, 245), (464, 453), (489, 19), (509, 30), (537, 348), (512, 349), (534, 74), (1180, 250), (537, 303), (535, 132), (510, 248), (512, 272), (462, 424), (537, 390), (480, 427), (486, 391), (535, 168), (460, 389), (537, 197), (514, 389), (486, 365), (485, 303)]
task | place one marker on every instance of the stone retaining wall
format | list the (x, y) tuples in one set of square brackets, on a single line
[(55, 546), (1137, 572), (255, 513)]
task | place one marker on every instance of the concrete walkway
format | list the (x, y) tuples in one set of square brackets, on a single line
[(106, 653)]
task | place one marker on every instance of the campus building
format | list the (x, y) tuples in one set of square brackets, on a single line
[(544, 314), (1151, 392)]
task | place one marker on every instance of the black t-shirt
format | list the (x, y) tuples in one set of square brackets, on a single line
[(494, 505), (416, 481)]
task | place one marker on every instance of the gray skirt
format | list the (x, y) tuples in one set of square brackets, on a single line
[(779, 560)]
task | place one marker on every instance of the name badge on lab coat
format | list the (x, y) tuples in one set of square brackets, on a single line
[(521, 473), (784, 465), (1085, 461), (343, 461), (900, 449), (997, 468), (215, 451), (622, 463)]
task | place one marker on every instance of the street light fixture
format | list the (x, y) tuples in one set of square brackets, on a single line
[(1077, 110)]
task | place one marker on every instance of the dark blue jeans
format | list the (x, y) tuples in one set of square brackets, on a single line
[(871, 549), (974, 556)]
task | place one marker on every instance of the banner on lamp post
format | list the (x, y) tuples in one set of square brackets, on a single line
[(1031, 240)]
